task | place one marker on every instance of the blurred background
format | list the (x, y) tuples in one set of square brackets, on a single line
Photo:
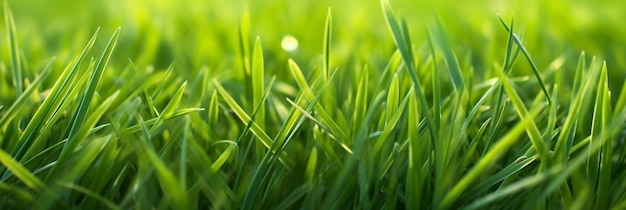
[(204, 33)]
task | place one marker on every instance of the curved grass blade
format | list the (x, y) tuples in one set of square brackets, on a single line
[(438, 36), (219, 162), (529, 59)]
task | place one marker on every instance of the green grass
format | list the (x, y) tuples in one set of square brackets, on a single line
[(382, 105)]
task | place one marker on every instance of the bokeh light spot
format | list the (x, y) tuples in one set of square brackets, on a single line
[(289, 43)]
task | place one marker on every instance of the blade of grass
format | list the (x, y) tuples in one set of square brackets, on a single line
[(403, 43), (329, 99), (293, 197), (328, 30), (57, 113), (511, 169), (218, 191), (90, 193), (264, 170), (213, 110), (529, 59), (22, 195), (414, 185), (169, 182), (258, 82), (580, 73), (136, 128), (393, 95), (467, 157), (221, 160), (360, 103), (258, 90), (392, 122), (436, 85), (20, 172), (437, 35), (612, 127), (245, 118), (17, 71), (525, 183), (244, 47), (170, 108), (566, 138), (602, 113), (402, 40), (83, 107), (326, 118), (311, 165), (18, 105), (598, 123), (533, 131), (51, 103), (319, 123), (495, 153)]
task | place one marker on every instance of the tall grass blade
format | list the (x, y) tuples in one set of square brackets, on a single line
[(52, 102), (403, 44), (602, 116), (258, 82), (85, 102), (530, 61), (437, 36), (328, 31), (16, 70)]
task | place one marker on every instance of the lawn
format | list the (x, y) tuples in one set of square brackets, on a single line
[(382, 104)]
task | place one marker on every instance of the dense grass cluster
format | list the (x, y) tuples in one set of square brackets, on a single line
[(189, 106)]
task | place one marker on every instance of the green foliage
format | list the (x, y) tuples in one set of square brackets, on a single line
[(350, 107)]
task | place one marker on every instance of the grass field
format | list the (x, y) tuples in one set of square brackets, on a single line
[(390, 104)]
